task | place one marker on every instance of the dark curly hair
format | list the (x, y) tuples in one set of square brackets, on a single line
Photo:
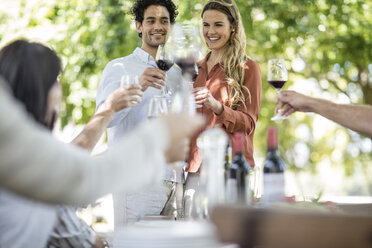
[(140, 6)]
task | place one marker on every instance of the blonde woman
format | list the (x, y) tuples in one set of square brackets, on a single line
[(228, 85)]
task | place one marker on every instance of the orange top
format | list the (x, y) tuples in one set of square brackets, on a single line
[(240, 120)]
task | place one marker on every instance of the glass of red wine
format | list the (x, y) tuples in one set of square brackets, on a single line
[(188, 50), (277, 75), (165, 61)]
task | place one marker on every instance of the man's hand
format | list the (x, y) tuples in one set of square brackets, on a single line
[(152, 77), (181, 127), (289, 102)]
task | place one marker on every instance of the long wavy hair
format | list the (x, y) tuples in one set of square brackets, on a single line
[(234, 56)]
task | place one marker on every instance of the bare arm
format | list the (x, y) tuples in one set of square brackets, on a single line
[(118, 100), (355, 117)]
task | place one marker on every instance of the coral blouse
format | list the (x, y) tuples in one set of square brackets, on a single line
[(243, 119)]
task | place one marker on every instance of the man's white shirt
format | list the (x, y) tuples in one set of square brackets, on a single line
[(129, 118)]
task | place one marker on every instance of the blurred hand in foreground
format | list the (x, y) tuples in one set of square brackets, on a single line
[(181, 127)]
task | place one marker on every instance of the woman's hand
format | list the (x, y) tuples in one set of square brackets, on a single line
[(204, 97), (181, 127), (124, 97)]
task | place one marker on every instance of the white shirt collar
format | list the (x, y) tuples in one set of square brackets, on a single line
[(143, 55)]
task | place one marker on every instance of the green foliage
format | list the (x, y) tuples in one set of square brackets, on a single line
[(333, 37)]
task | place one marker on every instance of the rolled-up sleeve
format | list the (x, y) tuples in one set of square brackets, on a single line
[(36, 165)]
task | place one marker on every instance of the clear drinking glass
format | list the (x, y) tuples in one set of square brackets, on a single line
[(277, 75), (129, 79), (158, 106)]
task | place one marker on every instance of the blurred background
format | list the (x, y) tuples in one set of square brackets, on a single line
[(327, 45)]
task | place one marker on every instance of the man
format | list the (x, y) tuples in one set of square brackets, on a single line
[(153, 21), (355, 117)]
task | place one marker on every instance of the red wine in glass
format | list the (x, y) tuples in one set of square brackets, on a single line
[(164, 64), (188, 66), (277, 84), (277, 75)]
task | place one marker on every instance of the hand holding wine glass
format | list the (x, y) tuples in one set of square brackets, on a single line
[(277, 75)]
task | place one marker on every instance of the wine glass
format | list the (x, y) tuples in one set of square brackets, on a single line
[(158, 106), (188, 50), (165, 61), (277, 75), (164, 58), (129, 79)]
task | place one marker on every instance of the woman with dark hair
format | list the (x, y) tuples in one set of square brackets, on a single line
[(31, 70)]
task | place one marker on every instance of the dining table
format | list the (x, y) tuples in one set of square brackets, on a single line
[(290, 226), (243, 226), (166, 231)]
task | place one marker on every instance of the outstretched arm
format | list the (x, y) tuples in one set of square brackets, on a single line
[(121, 98), (355, 117), (36, 165)]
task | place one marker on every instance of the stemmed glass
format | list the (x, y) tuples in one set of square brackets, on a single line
[(158, 106), (164, 59), (277, 75), (129, 79), (188, 49)]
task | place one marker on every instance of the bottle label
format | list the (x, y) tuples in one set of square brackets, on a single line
[(273, 187)]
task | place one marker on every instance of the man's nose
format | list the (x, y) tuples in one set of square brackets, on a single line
[(158, 25)]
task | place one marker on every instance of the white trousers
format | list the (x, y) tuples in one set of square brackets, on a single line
[(191, 188), (163, 199)]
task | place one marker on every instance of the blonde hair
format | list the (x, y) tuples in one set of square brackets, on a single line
[(234, 57)]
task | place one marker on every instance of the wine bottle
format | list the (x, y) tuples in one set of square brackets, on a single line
[(273, 169), (228, 160), (243, 170), (231, 172)]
